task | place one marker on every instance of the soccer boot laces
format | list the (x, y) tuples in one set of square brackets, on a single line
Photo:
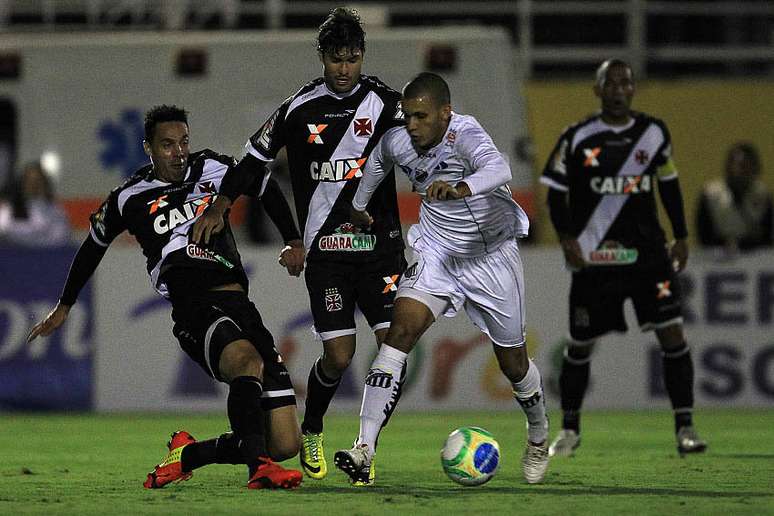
[(271, 475), (358, 464), (534, 463), (688, 441), (170, 469), (565, 443), (312, 456)]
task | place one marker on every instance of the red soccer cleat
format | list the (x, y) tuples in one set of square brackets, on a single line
[(271, 475), (170, 469)]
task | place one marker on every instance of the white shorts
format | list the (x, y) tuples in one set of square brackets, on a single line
[(490, 287)]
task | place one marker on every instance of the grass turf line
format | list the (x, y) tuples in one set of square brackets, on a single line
[(95, 464)]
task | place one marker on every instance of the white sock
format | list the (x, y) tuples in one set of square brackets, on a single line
[(529, 394), (379, 395)]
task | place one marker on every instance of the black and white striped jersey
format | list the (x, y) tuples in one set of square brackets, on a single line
[(160, 216), (328, 138), (610, 173)]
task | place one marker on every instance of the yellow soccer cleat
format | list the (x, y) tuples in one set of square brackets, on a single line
[(312, 456)]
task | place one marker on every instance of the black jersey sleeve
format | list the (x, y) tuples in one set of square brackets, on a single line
[(672, 199), (664, 155), (278, 210), (84, 264), (559, 211), (270, 138), (107, 222), (247, 177), (555, 172)]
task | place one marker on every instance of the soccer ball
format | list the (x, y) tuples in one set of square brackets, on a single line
[(470, 456)]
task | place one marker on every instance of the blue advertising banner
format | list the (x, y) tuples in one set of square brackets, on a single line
[(53, 373)]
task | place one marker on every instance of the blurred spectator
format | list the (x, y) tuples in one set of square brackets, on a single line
[(31, 216), (735, 212)]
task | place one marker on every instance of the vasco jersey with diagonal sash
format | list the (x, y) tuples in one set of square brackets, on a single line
[(610, 173), (160, 216), (471, 226), (328, 137)]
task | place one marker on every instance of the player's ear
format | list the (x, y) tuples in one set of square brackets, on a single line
[(597, 90), (446, 112), (146, 147)]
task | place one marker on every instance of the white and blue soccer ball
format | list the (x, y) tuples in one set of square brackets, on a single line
[(470, 456)]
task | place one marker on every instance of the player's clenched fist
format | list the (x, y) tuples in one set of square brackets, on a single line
[(443, 191)]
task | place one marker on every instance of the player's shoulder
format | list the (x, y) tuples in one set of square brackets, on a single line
[(205, 155), (581, 124), (309, 91), (461, 122), (375, 84), (307, 88), (144, 173), (645, 120), (396, 138)]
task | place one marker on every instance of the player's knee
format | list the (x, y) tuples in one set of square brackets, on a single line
[(336, 362), (402, 337), (240, 358), (285, 449), (671, 338), (513, 361), (579, 351)]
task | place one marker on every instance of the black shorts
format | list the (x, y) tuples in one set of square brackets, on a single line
[(335, 288), (597, 296), (206, 323)]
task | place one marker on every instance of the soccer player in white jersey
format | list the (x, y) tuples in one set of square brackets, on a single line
[(465, 255)]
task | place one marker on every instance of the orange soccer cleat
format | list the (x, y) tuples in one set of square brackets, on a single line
[(171, 469), (271, 475)]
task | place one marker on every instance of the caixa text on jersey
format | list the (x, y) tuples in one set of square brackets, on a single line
[(338, 170), (621, 185)]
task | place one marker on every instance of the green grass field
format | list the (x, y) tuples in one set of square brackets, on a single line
[(89, 464)]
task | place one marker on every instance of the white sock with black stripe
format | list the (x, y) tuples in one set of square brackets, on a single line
[(380, 393)]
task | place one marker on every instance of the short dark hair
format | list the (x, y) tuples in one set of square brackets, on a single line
[(750, 154), (601, 73), (341, 29), (430, 84), (163, 113)]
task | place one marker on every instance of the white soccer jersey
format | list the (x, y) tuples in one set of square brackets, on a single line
[(472, 226)]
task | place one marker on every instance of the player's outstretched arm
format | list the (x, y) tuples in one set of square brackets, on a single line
[(84, 264), (50, 322)]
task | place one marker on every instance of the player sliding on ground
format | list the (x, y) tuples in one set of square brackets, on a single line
[(466, 255), (215, 322)]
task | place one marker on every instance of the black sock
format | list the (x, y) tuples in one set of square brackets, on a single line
[(247, 419), (573, 381), (319, 392), (221, 450), (678, 378)]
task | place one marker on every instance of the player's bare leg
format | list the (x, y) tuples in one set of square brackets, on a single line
[(411, 319), (528, 391)]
